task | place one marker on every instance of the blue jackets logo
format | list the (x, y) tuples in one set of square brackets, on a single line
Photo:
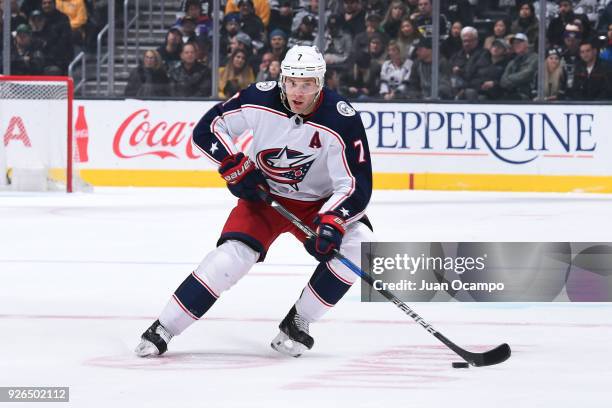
[(284, 165)]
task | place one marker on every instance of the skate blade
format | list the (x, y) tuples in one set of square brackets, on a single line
[(146, 349), (284, 345)]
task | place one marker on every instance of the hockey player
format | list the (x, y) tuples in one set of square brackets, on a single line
[(310, 151)]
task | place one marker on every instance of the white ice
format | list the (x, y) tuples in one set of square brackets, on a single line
[(82, 275)]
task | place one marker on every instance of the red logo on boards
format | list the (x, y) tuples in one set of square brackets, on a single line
[(81, 136), (16, 131), (138, 136)]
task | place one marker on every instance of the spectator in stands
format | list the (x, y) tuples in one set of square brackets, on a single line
[(58, 55), (556, 28), (332, 79), (59, 26), (188, 29), (149, 78), (605, 19), (17, 16), (77, 14), (27, 6), (311, 10), (202, 23), (361, 41), (590, 8), (203, 47), (188, 78), (235, 75), (555, 78), (419, 84), (500, 31), (377, 7), (518, 75), (361, 81), (27, 57), (571, 51), (490, 76), (242, 41), (261, 9), (170, 52), (606, 52), (281, 18), (452, 44), (588, 34), (278, 44), (552, 10), (526, 23), (231, 27), (274, 71), (458, 10), (304, 34), (264, 66), (393, 18), (377, 49), (466, 63), (251, 24), (424, 21), (407, 37), (353, 19), (336, 45), (593, 77), (394, 73)]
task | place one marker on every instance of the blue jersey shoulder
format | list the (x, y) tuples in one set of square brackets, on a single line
[(337, 114), (261, 93)]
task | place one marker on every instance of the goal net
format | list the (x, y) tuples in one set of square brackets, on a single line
[(37, 148)]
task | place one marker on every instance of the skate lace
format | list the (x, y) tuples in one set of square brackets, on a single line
[(301, 323)]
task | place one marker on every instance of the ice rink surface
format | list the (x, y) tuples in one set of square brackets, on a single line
[(83, 275)]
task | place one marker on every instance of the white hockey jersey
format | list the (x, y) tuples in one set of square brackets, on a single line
[(308, 158)]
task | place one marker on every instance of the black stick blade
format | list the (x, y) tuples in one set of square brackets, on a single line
[(495, 356)]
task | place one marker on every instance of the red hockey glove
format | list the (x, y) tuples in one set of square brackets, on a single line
[(330, 230), (242, 176)]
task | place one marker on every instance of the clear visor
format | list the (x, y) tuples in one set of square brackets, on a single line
[(300, 86)]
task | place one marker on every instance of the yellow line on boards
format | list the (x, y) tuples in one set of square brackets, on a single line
[(382, 181)]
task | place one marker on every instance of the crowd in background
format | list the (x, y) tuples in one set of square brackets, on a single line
[(373, 48)]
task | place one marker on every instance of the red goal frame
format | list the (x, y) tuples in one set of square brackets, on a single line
[(69, 100)]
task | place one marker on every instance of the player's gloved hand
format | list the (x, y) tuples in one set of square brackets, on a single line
[(242, 177), (330, 230)]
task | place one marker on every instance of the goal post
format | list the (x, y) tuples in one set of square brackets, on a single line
[(37, 146)]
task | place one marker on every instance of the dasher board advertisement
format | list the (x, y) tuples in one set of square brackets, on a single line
[(420, 146)]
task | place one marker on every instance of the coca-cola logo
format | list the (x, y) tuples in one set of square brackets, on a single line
[(139, 136)]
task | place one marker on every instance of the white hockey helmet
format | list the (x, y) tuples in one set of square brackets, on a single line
[(303, 62)]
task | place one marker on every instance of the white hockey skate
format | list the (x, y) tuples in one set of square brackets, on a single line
[(154, 341), (293, 338)]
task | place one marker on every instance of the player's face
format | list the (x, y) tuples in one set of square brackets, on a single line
[(300, 94)]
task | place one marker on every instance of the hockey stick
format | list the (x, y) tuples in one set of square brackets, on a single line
[(494, 356)]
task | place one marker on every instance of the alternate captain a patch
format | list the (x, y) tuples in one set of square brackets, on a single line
[(285, 166), (266, 86)]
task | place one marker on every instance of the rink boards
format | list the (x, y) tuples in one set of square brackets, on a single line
[(414, 146)]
